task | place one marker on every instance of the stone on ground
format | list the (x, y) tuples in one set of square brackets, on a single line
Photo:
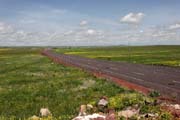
[(44, 112)]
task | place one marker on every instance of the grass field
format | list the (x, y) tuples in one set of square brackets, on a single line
[(30, 81), (156, 55)]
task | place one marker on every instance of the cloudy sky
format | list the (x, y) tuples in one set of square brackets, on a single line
[(89, 22)]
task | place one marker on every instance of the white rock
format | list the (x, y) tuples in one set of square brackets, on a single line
[(89, 117), (44, 112), (82, 111), (177, 106), (103, 102), (89, 106), (128, 113)]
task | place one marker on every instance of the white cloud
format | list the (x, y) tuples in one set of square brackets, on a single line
[(90, 32), (133, 18), (83, 23), (78, 36), (70, 32), (174, 26), (5, 28)]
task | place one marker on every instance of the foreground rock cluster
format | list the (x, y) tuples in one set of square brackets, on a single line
[(173, 109), (101, 111), (105, 113)]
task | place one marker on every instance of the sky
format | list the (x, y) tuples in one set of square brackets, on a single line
[(89, 22)]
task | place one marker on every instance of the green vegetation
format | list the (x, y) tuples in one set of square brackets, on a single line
[(154, 94), (156, 55), (30, 81), (127, 99), (166, 116)]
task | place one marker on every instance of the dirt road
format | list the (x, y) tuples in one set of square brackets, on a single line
[(166, 80)]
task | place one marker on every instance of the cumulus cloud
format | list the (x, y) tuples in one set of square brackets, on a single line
[(83, 23), (78, 36), (132, 18), (174, 26), (74, 37)]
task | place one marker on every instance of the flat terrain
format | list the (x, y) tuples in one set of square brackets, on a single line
[(163, 79), (30, 81), (153, 55)]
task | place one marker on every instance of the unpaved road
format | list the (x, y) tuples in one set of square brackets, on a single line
[(166, 80)]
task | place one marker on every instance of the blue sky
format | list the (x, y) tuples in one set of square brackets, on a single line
[(89, 22)]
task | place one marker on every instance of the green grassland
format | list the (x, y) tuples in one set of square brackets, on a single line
[(156, 55), (30, 81)]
